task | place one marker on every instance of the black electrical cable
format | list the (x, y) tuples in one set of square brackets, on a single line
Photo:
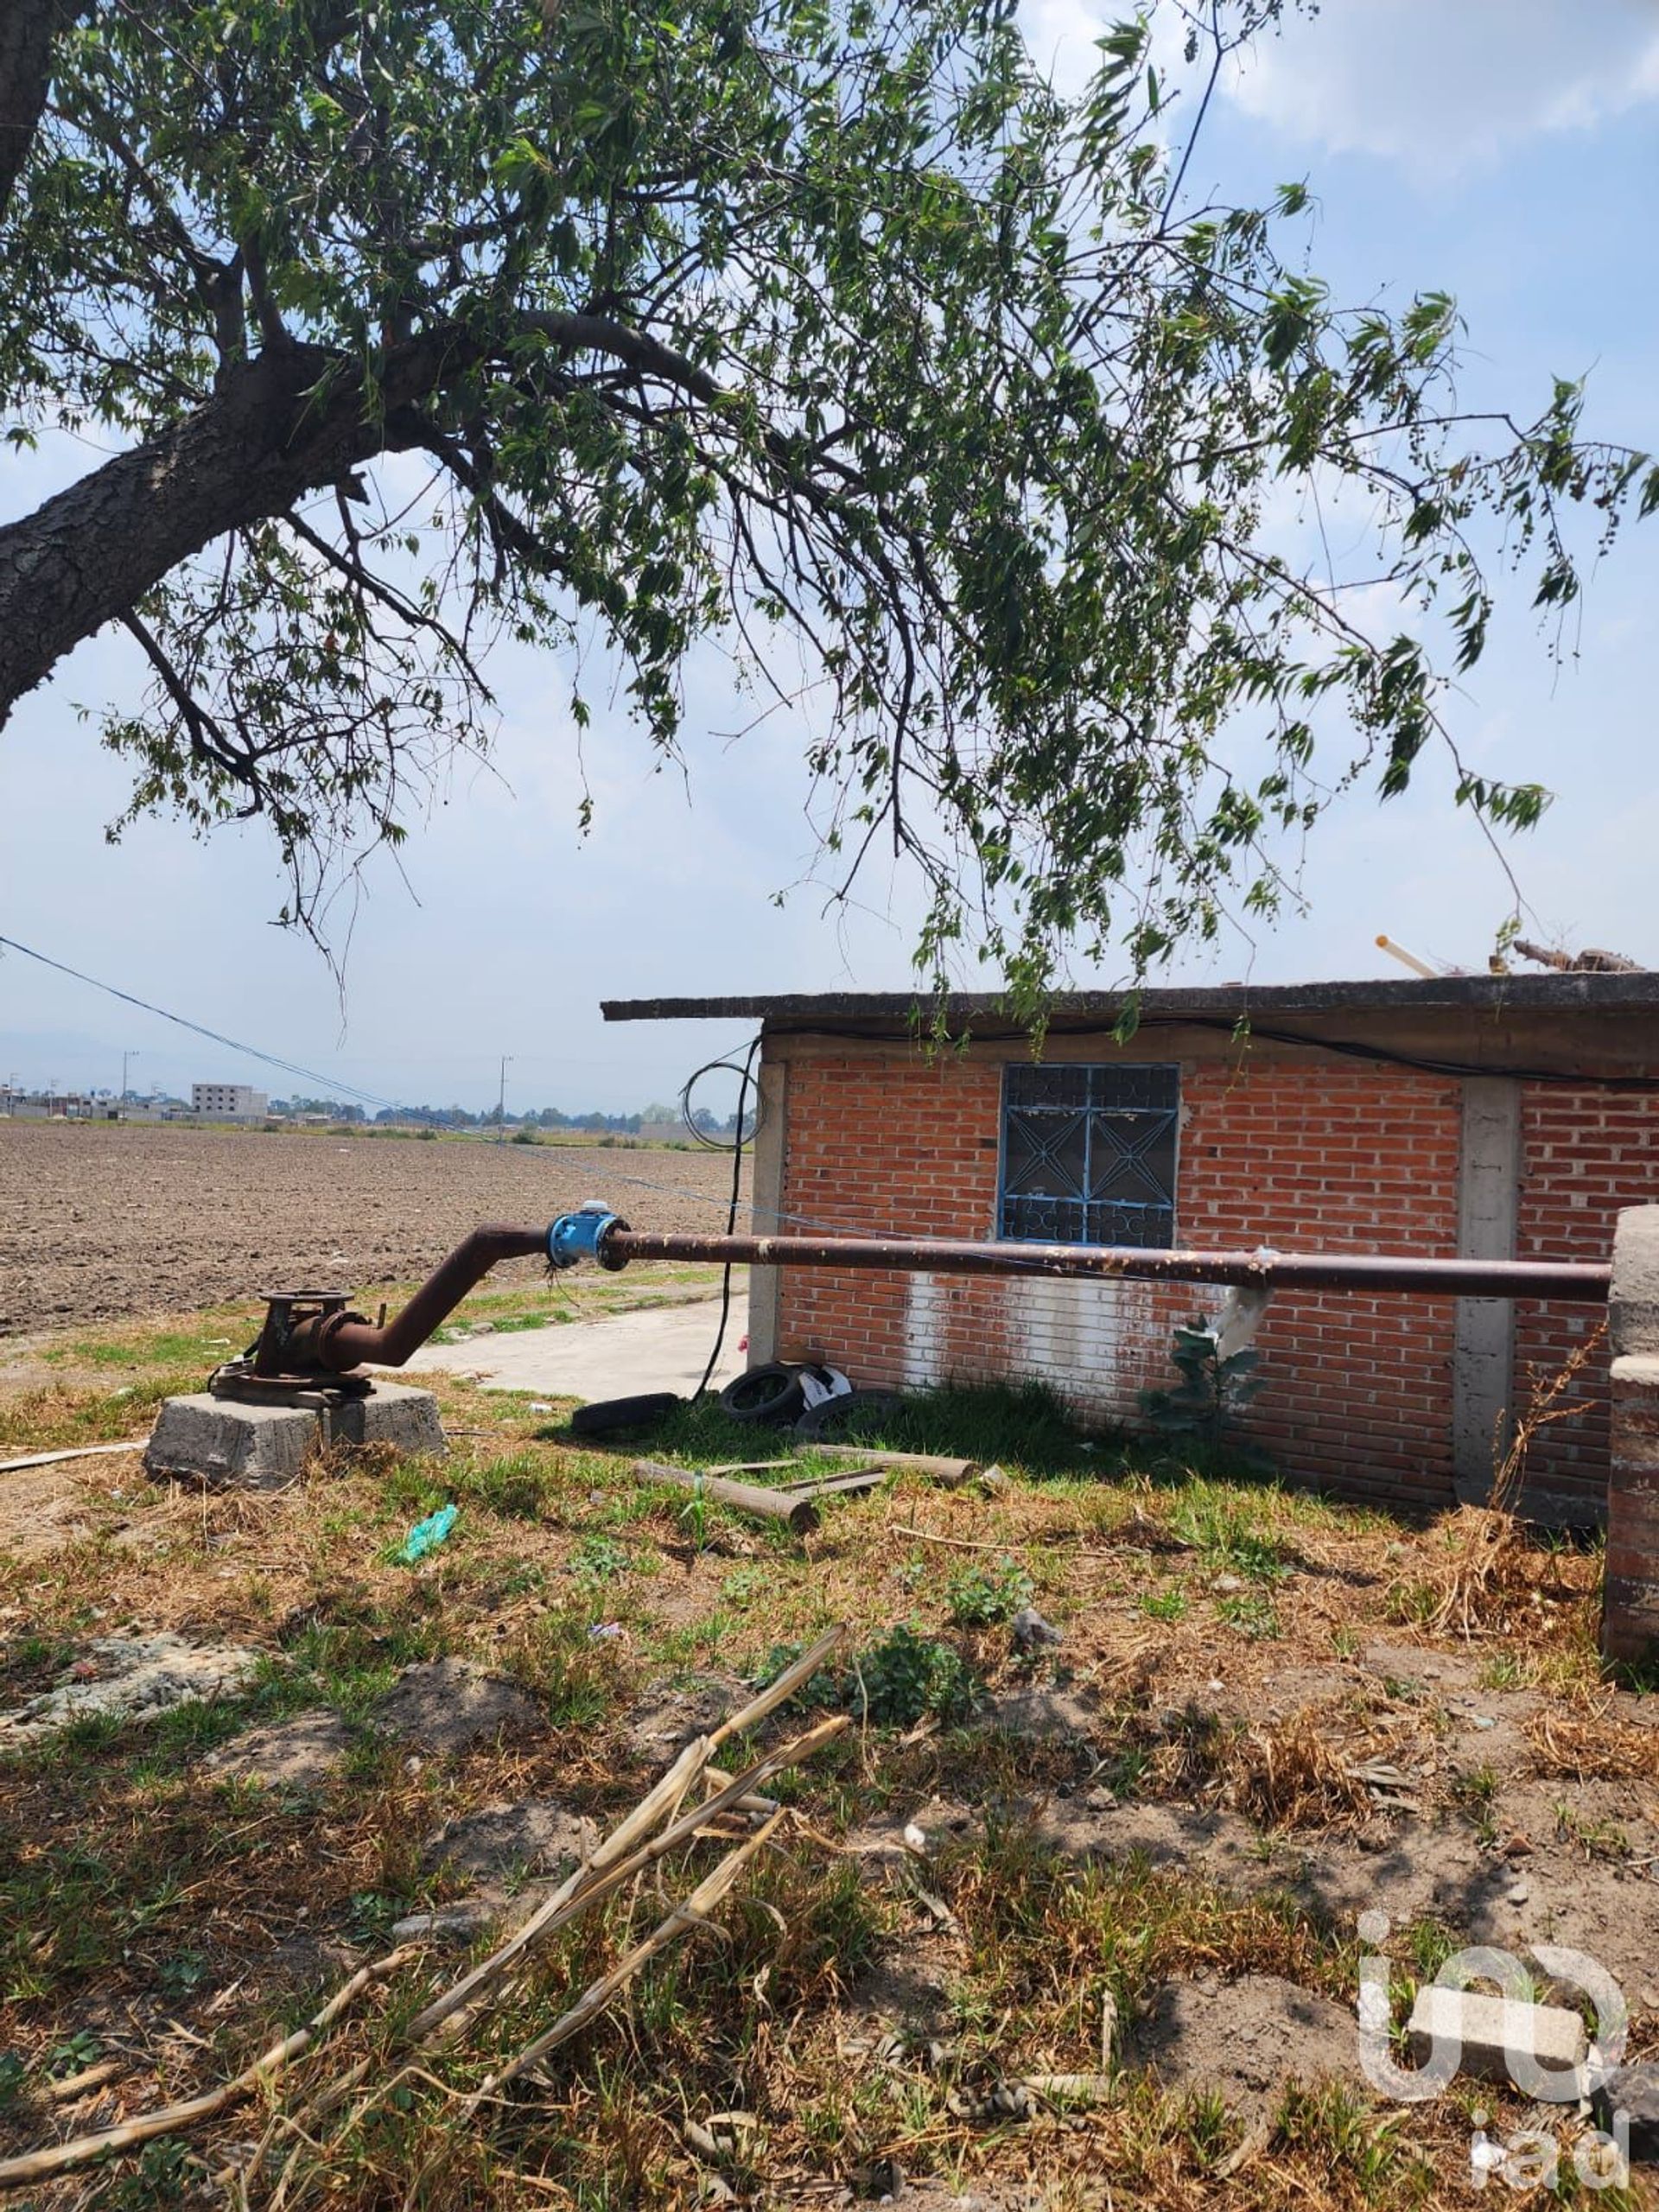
[(737, 1142), (687, 1112), (1347, 1047), (330, 1083)]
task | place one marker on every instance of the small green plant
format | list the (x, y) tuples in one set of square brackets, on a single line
[(13, 2073), (1221, 1528), (559, 1658), (1212, 1391), (183, 1975), (514, 1486), (162, 2175), (980, 1597), (75, 2054), (372, 1914), (744, 1584), (1430, 1944), (1595, 1839), (694, 1519), (1410, 1601), (903, 1676), (1250, 1612), (599, 1558), (893, 1682), (1474, 1794), (1166, 1605)]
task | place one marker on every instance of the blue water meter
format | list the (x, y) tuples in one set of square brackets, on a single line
[(581, 1235)]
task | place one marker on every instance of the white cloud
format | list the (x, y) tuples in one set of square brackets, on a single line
[(1441, 86)]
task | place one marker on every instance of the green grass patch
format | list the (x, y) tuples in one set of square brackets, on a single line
[(1227, 1530)]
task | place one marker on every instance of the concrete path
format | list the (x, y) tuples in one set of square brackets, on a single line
[(662, 1348)]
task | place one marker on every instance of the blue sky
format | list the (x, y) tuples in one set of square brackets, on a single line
[(1506, 151)]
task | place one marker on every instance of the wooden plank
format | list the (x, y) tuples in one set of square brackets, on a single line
[(743, 1497), (950, 1472), (77, 1451)]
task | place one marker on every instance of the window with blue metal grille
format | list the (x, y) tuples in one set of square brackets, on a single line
[(1089, 1155)]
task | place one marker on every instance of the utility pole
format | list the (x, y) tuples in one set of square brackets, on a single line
[(125, 1056), (501, 1101)]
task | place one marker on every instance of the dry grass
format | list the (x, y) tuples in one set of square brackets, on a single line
[(1495, 1571), (1293, 1776), (1214, 1634), (1592, 1746)]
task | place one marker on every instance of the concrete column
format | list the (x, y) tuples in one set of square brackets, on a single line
[(1630, 1624), (766, 1203), (1483, 1373)]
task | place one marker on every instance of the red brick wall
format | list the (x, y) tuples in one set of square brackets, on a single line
[(1584, 1153), (1304, 1154), (873, 1144)]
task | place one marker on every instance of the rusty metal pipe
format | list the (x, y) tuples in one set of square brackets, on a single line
[(1585, 1282), (339, 1342), (347, 1340)]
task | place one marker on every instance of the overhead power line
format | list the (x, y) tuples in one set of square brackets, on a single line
[(330, 1085)]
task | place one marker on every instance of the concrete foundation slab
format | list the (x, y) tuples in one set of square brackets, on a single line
[(203, 1439)]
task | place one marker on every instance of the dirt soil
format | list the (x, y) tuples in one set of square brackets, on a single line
[(102, 1222)]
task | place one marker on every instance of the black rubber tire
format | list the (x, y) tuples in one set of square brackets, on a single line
[(852, 1414), (606, 1415), (769, 1396)]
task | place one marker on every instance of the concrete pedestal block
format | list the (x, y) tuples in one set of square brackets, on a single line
[(204, 1439), (1629, 1623), (392, 1413)]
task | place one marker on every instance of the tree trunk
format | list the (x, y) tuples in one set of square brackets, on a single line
[(262, 440), (27, 30)]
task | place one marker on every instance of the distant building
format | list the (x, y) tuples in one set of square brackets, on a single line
[(229, 1102)]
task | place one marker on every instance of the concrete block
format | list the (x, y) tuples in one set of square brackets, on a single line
[(392, 1413), (1485, 2030), (203, 1439), (1633, 1309), (1630, 1626)]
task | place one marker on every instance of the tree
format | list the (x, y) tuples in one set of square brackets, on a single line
[(824, 328)]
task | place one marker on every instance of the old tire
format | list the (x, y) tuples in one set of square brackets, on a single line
[(768, 1396), (855, 1416), (607, 1415)]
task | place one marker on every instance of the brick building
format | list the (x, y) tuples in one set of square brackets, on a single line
[(1490, 1116)]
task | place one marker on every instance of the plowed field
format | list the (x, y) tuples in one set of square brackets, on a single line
[(100, 1222)]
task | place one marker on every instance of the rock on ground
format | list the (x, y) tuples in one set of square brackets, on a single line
[(132, 1679)]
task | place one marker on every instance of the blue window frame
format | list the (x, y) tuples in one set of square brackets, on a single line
[(1089, 1155)]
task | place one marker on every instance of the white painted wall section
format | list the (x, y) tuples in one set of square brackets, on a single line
[(1091, 1342)]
